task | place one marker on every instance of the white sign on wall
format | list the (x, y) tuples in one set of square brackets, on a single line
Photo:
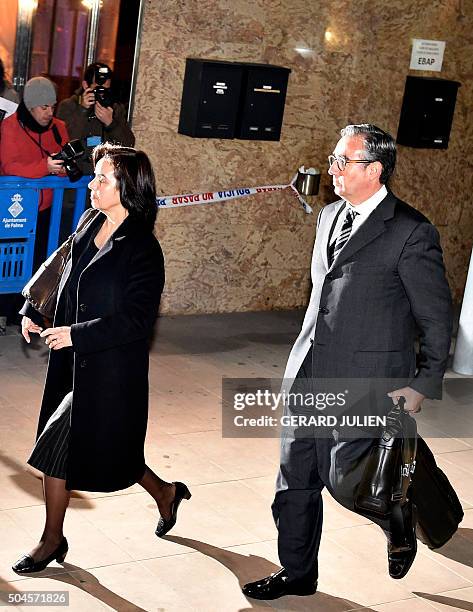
[(427, 54)]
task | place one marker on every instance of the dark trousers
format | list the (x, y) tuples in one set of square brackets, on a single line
[(308, 464)]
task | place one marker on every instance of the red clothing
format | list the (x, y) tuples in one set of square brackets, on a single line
[(20, 156)]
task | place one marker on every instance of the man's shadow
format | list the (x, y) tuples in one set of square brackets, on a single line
[(460, 549), (247, 568), (452, 602)]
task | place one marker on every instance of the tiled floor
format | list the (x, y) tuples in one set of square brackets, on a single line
[(225, 534)]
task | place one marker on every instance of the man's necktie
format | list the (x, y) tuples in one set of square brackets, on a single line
[(344, 234)]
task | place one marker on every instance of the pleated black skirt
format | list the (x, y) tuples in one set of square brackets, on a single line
[(50, 452)]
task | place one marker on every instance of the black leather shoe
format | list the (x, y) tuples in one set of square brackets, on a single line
[(182, 492), (401, 558), (27, 565), (277, 585)]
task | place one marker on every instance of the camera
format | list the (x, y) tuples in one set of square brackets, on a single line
[(68, 154), (103, 95)]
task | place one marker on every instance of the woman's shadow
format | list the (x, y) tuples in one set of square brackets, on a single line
[(88, 583), (244, 567), (29, 481)]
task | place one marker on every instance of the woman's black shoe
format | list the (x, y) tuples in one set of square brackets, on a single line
[(165, 525), (27, 565)]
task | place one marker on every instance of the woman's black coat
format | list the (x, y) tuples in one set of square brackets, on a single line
[(118, 300)]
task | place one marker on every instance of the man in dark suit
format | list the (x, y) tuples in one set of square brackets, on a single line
[(378, 285)]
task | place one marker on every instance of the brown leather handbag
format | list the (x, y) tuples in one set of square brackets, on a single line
[(42, 289)]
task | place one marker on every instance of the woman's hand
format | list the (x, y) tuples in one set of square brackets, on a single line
[(28, 327), (57, 337)]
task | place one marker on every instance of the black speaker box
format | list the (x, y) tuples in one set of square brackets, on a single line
[(233, 100), (262, 102), (210, 98), (427, 112)]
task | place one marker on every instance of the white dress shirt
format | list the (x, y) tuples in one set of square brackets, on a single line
[(364, 210)]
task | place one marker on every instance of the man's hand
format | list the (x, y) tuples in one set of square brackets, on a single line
[(55, 166), (57, 337), (104, 113), (87, 99), (28, 327), (413, 398)]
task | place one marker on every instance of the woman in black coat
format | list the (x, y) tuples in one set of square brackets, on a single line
[(94, 412)]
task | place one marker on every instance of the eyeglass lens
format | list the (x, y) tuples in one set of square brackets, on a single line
[(341, 162)]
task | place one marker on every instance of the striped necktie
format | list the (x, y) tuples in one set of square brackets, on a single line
[(344, 234)]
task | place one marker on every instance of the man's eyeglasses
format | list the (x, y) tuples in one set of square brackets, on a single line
[(343, 161)]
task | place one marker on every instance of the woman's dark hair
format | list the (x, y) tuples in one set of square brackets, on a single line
[(379, 146), (135, 178)]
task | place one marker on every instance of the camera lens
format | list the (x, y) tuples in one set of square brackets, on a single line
[(73, 171)]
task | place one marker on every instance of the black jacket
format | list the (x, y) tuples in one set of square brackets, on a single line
[(118, 300)]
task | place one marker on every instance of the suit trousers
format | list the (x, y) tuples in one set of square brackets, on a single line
[(310, 462)]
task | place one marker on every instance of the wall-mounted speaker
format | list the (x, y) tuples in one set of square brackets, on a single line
[(427, 112), (263, 96), (210, 98), (233, 100)]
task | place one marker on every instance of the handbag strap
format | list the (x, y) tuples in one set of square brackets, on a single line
[(66, 246), (91, 214)]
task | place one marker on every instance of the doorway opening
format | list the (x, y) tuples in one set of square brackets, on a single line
[(59, 38)]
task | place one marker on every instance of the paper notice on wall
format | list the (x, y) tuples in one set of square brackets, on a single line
[(7, 108), (427, 54)]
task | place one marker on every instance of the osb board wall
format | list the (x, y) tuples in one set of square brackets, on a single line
[(254, 253)]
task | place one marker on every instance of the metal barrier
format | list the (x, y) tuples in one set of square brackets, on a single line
[(18, 214)]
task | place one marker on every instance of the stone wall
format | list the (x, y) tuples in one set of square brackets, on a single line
[(349, 60)]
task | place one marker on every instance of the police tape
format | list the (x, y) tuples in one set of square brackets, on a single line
[(212, 197)]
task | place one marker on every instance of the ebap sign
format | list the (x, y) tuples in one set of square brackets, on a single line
[(427, 55)]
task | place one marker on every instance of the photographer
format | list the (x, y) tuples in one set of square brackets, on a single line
[(93, 116), (29, 140)]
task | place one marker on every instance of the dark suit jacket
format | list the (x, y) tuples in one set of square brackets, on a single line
[(385, 289)]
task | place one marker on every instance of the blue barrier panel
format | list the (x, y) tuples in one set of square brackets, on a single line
[(18, 214)]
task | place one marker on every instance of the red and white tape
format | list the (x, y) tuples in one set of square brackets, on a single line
[(212, 197)]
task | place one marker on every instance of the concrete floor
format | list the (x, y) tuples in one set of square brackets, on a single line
[(225, 535)]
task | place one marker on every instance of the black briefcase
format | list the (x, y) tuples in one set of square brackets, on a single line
[(439, 511), (387, 475)]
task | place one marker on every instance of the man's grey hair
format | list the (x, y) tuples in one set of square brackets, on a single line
[(378, 146)]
